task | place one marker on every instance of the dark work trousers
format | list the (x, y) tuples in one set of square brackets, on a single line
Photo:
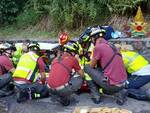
[(135, 83), (98, 77), (34, 90), (6, 85), (5, 79), (73, 85)]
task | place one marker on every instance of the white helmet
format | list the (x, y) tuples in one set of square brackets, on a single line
[(34, 46), (3, 46), (97, 32)]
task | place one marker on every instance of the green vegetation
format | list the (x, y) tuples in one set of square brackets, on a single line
[(48, 17)]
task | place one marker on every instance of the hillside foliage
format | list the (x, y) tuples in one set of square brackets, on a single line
[(64, 14)]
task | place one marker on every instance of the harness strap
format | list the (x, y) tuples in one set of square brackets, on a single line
[(3, 69), (59, 61), (111, 59)]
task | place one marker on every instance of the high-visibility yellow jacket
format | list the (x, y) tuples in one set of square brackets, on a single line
[(27, 67), (84, 60), (17, 54), (133, 61)]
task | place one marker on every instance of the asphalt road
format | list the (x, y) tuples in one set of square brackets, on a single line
[(49, 105)]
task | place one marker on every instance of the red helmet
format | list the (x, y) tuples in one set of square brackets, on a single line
[(63, 38)]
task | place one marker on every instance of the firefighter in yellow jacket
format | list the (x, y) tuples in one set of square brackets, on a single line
[(27, 74), (20, 50), (138, 69)]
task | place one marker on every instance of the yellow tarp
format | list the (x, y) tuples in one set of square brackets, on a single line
[(101, 110)]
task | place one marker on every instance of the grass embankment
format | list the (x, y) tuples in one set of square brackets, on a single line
[(11, 32)]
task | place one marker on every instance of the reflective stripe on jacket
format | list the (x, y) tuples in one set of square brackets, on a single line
[(27, 67), (133, 61)]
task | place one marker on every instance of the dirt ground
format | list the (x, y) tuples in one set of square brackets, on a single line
[(49, 105)]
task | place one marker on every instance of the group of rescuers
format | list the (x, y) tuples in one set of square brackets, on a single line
[(106, 69)]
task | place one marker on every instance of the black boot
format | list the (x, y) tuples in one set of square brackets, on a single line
[(65, 101), (6, 91), (148, 94), (121, 96), (22, 96), (139, 94), (94, 92)]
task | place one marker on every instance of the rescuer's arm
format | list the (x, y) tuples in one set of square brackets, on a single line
[(41, 65), (93, 63)]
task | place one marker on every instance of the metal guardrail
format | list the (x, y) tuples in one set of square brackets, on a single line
[(146, 41), (131, 39), (31, 40)]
